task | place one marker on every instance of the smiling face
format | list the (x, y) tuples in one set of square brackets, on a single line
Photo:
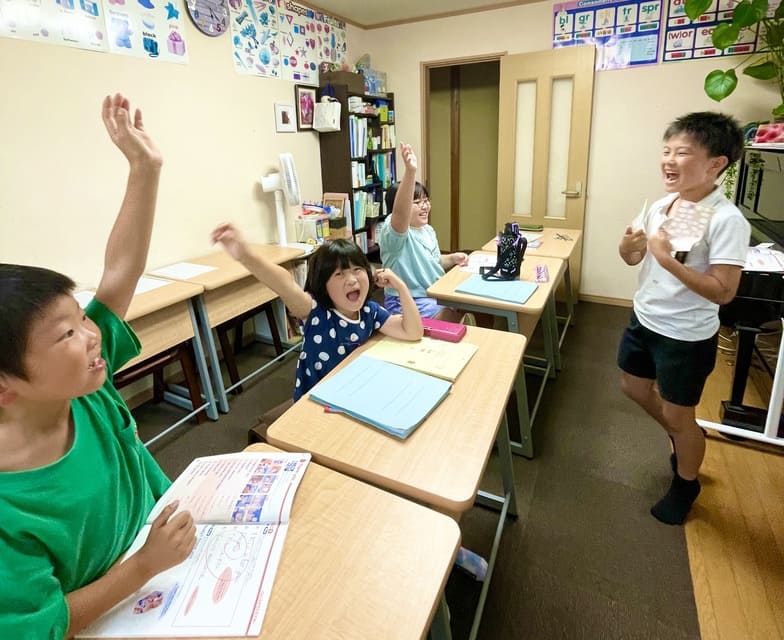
[(348, 289), (63, 357), (688, 169), (420, 211)]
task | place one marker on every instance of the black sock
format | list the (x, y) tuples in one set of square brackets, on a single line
[(675, 505)]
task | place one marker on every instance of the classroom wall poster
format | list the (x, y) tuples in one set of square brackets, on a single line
[(687, 40), (254, 33), (147, 29), (71, 23), (626, 33)]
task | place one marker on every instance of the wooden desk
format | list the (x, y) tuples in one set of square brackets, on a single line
[(520, 318), (557, 243), (163, 318), (229, 291), (442, 462), (358, 562)]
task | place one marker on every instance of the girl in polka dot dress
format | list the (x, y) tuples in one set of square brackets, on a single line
[(334, 309)]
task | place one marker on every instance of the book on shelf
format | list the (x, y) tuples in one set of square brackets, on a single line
[(241, 504), (361, 241), (391, 398), (434, 357)]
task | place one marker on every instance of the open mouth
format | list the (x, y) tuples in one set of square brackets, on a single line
[(97, 364), (669, 176), (353, 296)]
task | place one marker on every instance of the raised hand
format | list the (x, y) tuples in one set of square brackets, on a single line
[(386, 278), (409, 157), (231, 239), (130, 137)]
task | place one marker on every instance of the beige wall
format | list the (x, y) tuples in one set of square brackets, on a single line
[(631, 109), (61, 179)]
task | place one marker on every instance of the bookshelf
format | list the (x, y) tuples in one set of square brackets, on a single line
[(360, 158)]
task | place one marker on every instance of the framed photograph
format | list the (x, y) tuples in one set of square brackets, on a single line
[(339, 201), (305, 99), (285, 118)]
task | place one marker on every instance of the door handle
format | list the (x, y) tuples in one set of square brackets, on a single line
[(574, 193)]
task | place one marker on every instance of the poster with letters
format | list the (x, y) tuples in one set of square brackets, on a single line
[(70, 23), (626, 33)]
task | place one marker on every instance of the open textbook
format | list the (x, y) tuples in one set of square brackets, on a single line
[(241, 504)]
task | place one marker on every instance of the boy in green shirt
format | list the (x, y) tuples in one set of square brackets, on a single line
[(76, 484)]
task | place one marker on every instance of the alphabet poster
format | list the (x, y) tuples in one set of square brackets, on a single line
[(626, 32), (144, 28), (687, 40)]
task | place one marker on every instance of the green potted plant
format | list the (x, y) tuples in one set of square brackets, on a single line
[(767, 64)]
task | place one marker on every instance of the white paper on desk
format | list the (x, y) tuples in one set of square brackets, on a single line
[(476, 260), (146, 284), (761, 258), (182, 270)]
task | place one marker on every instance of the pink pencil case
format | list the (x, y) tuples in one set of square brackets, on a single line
[(443, 330)]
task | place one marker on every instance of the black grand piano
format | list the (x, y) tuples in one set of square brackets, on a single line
[(759, 303)]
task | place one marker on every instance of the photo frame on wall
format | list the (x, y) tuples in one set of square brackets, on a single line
[(285, 118), (305, 101)]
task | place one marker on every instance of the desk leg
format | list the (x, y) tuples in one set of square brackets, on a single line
[(201, 364), (439, 628), (569, 297), (525, 447), (551, 344), (212, 353)]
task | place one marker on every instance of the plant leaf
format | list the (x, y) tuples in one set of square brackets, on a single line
[(761, 6), (695, 8), (719, 84), (779, 13), (725, 35), (746, 14), (761, 71), (778, 111)]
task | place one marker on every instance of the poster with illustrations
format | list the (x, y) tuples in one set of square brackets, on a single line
[(254, 33), (687, 40), (71, 23), (626, 33), (147, 28)]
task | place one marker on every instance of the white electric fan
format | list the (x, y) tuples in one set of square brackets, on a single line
[(283, 182)]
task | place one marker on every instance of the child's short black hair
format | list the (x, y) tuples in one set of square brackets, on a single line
[(420, 191), (717, 133), (25, 292), (328, 258)]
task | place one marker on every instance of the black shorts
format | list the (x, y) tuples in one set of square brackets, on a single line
[(680, 368)]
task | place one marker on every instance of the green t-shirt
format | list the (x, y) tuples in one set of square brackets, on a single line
[(64, 525)]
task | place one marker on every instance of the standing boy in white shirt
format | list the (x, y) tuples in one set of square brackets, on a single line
[(669, 348)]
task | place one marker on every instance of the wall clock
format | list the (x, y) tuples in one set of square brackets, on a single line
[(211, 17)]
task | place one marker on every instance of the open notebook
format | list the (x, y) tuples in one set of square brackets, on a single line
[(384, 395), (435, 357), (517, 291)]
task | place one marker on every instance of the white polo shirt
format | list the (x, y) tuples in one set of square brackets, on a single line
[(663, 303)]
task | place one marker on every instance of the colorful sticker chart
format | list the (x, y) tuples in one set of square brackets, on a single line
[(70, 23), (626, 33), (687, 40), (147, 29), (282, 39)]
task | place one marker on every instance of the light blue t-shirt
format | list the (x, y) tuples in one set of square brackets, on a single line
[(414, 256)]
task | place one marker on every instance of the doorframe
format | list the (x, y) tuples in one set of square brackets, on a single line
[(454, 187)]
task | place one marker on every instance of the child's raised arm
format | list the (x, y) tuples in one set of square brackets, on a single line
[(404, 198), (129, 241), (267, 272)]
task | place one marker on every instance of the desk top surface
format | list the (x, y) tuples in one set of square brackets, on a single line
[(228, 270), (442, 461), (444, 288), (358, 562), (555, 243), (171, 293)]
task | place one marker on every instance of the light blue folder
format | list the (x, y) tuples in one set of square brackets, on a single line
[(384, 395), (517, 291)]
